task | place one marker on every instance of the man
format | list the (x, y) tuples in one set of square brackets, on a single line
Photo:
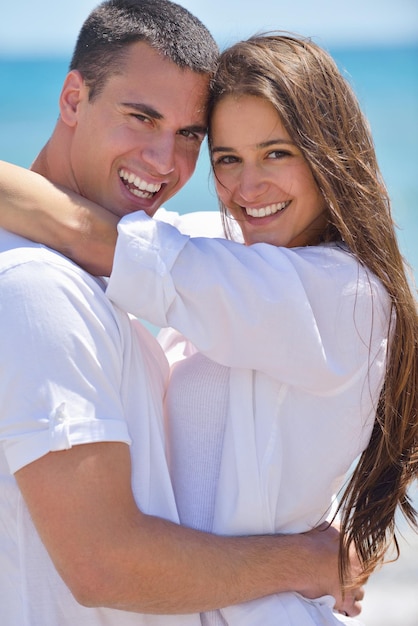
[(88, 518)]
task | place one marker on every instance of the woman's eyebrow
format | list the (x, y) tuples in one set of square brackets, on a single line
[(263, 144), (274, 142)]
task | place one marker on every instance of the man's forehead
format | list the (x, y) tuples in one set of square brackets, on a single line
[(149, 80), (145, 58)]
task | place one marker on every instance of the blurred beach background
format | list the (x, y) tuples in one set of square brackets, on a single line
[(375, 43)]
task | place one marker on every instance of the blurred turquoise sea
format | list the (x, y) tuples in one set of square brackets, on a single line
[(384, 79), (386, 83)]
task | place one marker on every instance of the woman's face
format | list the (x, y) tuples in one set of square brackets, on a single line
[(262, 177)]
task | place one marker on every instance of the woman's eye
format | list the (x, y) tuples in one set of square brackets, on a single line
[(226, 160), (278, 154)]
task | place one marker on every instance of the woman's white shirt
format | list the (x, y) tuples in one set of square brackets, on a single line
[(303, 335)]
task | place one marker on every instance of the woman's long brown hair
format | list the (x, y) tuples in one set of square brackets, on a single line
[(320, 112)]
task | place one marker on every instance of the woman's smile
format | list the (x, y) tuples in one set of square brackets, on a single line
[(262, 177), (270, 209)]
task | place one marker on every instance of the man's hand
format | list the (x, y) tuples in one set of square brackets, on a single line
[(354, 593), (324, 571)]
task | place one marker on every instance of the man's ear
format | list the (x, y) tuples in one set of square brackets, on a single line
[(74, 91)]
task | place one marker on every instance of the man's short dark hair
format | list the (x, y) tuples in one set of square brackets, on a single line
[(167, 27)]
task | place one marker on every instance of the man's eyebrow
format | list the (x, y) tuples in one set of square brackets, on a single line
[(263, 144), (144, 108), (148, 110), (196, 128)]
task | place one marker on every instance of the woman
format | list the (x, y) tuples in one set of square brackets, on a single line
[(310, 342)]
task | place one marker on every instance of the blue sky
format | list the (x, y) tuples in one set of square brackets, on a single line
[(48, 26)]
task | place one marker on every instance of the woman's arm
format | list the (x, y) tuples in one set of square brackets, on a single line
[(35, 208), (243, 306)]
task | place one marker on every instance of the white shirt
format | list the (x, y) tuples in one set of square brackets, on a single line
[(74, 369), (304, 335)]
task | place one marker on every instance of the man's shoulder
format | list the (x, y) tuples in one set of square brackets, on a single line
[(15, 250), (31, 270), (11, 244), (19, 252)]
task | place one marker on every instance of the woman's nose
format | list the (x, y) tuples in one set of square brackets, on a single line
[(252, 184)]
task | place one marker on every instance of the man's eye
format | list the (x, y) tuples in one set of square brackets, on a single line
[(190, 134), (141, 118)]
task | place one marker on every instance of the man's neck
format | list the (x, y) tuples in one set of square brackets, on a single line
[(41, 165), (53, 161)]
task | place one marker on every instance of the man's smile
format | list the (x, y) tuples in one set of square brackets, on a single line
[(137, 186)]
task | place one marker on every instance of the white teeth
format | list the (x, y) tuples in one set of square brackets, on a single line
[(140, 194), (141, 188), (270, 209)]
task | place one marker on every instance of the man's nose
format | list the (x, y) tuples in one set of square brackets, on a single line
[(159, 154)]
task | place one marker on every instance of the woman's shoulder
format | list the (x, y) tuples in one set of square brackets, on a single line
[(195, 224)]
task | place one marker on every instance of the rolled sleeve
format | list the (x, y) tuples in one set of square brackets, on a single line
[(62, 434), (138, 250), (61, 355)]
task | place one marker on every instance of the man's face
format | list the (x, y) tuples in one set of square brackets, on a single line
[(137, 143)]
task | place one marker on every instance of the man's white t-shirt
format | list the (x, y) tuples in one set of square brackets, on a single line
[(74, 369)]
